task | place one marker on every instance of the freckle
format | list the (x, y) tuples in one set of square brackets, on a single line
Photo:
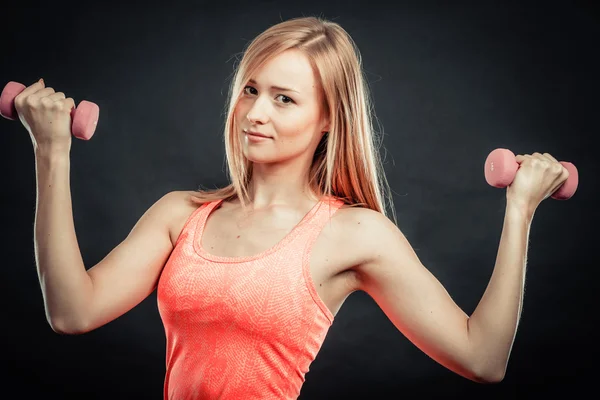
[(359, 223), (320, 284), (238, 236)]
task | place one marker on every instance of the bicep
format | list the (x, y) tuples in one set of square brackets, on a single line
[(129, 273), (413, 299)]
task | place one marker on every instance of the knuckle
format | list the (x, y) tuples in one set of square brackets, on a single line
[(31, 101), (541, 163), (66, 105)]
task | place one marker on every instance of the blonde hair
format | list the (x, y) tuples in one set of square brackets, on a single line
[(346, 163)]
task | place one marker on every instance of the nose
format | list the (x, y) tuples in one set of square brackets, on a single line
[(257, 113)]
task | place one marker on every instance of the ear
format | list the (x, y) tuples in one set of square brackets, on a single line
[(325, 126)]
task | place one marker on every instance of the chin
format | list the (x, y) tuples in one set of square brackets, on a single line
[(256, 157)]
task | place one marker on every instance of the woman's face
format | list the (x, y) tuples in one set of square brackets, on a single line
[(283, 102)]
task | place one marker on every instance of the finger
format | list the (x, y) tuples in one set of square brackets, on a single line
[(31, 89), (543, 157), (60, 103), (45, 92), (550, 157), (57, 96), (521, 157), (68, 103)]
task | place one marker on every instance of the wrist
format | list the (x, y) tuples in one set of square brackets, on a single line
[(519, 209), (51, 150), (51, 154)]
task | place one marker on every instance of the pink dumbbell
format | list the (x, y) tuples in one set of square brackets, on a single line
[(501, 167), (85, 116)]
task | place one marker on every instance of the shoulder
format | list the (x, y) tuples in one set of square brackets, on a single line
[(180, 202), (382, 245), (179, 206), (368, 231), (363, 220)]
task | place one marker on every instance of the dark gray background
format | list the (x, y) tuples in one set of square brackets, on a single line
[(451, 81)]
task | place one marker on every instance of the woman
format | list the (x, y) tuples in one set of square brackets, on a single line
[(251, 276)]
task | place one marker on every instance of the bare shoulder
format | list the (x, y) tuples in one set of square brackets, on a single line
[(181, 208), (381, 244), (356, 213), (360, 230)]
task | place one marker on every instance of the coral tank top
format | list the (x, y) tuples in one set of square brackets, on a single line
[(242, 327)]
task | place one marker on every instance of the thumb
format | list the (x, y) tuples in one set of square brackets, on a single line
[(32, 89), (520, 158)]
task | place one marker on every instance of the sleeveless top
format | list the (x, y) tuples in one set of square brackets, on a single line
[(242, 327)]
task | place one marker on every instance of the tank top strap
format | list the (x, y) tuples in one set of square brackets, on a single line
[(198, 216), (311, 227), (321, 216)]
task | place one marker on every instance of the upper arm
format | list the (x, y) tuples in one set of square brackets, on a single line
[(410, 296), (130, 272)]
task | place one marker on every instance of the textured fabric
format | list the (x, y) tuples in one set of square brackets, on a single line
[(242, 327)]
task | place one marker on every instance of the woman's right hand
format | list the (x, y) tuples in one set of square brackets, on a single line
[(46, 115)]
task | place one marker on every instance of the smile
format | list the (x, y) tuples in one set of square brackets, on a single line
[(252, 137)]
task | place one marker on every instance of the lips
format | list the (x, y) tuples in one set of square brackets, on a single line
[(256, 134)]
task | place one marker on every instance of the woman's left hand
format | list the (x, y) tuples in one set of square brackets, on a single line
[(538, 176)]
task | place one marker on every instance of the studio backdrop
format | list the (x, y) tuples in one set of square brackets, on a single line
[(450, 82)]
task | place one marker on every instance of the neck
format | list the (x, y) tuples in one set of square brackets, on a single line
[(279, 186)]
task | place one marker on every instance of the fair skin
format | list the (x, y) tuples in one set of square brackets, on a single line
[(360, 250), (295, 123), (388, 269)]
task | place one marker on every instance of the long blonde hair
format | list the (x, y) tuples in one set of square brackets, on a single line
[(346, 163)]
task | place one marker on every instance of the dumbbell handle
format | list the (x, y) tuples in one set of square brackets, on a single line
[(84, 117)]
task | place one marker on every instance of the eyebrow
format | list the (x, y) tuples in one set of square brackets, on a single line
[(276, 87)]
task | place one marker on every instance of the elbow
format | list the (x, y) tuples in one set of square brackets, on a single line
[(63, 328), (487, 368), (58, 328), (489, 376)]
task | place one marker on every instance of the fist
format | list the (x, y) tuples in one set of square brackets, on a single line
[(46, 115), (538, 176)]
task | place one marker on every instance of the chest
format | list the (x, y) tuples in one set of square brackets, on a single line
[(332, 256)]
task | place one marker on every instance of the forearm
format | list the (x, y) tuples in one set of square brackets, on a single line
[(493, 324), (64, 281)]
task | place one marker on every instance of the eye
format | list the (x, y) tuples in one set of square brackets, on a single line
[(285, 99), (248, 87)]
